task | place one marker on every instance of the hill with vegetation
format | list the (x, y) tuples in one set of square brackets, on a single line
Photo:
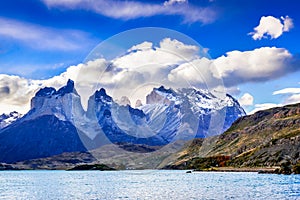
[(268, 138)]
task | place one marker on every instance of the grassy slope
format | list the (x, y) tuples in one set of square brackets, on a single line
[(266, 138)]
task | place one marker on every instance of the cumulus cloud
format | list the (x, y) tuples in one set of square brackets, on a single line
[(260, 64), (143, 46), (246, 100), (238, 67), (199, 72), (271, 26), (169, 52), (127, 10), (287, 23), (170, 63), (15, 93), (40, 37), (121, 76)]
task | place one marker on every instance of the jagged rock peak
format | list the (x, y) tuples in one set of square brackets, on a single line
[(46, 92), (11, 114), (159, 96), (163, 89), (138, 103), (101, 92), (50, 91), (234, 100), (100, 95), (136, 112), (69, 88), (153, 98)]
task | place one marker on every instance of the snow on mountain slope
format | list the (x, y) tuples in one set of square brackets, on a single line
[(167, 116), (195, 106), (7, 119)]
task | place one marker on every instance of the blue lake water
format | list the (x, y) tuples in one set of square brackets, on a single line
[(146, 184)]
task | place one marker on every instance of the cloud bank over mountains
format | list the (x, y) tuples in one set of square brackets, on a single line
[(170, 63)]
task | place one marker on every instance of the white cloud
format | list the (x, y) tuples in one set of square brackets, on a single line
[(171, 2), (287, 91), (143, 46), (127, 10), (271, 26), (234, 90), (295, 98), (246, 100), (287, 23), (198, 72), (15, 92), (40, 37), (260, 64), (169, 52), (175, 64), (293, 95), (121, 77), (171, 63), (264, 106)]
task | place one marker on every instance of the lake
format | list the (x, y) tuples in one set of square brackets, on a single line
[(146, 184)]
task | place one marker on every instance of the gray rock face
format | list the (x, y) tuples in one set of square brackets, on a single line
[(64, 104)]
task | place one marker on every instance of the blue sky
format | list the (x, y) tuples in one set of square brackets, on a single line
[(40, 39)]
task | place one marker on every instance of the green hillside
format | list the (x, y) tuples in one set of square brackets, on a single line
[(265, 139)]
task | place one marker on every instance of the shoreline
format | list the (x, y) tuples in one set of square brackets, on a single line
[(261, 170)]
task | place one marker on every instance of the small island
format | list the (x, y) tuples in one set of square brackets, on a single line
[(84, 167)]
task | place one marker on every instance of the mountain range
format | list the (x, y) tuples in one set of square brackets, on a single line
[(57, 122), (267, 140)]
